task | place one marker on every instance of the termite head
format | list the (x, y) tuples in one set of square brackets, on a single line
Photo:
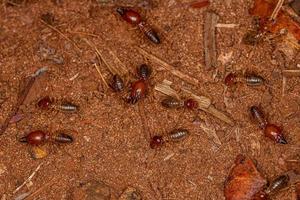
[(230, 79), (275, 133), (156, 142), (45, 103), (191, 104), (35, 138)]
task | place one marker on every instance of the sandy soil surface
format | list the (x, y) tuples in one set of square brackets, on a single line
[(112, 137)]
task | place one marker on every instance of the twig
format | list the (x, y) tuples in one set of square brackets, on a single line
[(169, 67), (84, 33), (38, 191), (29, 178), (291, 72), (101, 58), (210, 51), (226, 25), (22, 96), (101, 76), (63, 35), (168, 157), (204, 103), (276, 10)]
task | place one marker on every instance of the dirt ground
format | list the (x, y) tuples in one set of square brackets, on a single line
[(111, 141)]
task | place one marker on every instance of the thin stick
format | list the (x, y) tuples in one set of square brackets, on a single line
[(101, 76), (291, 72), (100, 57), (22, 96), (38, 191), (169, 67), (84, 33), (276, 9), (63, 35), (226, 25), (29, 178)]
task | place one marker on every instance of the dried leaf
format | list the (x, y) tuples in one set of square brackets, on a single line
[(244, 181), (38, 152)]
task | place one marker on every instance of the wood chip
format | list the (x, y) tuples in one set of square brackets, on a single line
[(211, 20)]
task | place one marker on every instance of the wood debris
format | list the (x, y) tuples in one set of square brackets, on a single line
[(169, 67), (211, 20), (21, 98), (211, 133), (204, 103), (291, 72), (264, 10)]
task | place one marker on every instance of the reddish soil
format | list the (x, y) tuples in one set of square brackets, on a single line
[(111, 141)]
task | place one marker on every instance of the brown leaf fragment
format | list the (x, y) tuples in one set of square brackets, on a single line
[(264, 10), (211, 20), (244, 181)]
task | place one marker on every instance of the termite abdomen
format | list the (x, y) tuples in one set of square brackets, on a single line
[(63, 138), (68, 107), (144, 72), (171, 102), (254, 80), (278, 184), (117, 83), (178, 134), (258, 116), (149, 32)]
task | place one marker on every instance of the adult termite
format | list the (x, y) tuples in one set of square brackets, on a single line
[(39, 137), (47, 103), (172, 102), (175, 135), (134, 18), (271, 131), (250, 79)]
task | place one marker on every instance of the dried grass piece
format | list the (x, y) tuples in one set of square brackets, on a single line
[(169, 67), (211, 133), (211, 20), (28, 179), (276, 9), (203, 102), (291, 72), (101, 76), (226, 25)]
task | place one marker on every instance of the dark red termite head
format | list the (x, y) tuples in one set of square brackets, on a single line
[(275, 133), (138, 91), (129, 15), (230, 79), (191, 104), (45, 103), (35, 138), (156, 142)]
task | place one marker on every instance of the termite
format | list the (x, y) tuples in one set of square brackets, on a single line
[(144, 72), (134, 18), (270, 130), (278, 183), (172, 102), (40, 137), (249, 79), (117, 83), (175, 135), (47, 103)]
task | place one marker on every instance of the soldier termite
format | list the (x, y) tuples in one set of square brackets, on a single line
[(134, 18)]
